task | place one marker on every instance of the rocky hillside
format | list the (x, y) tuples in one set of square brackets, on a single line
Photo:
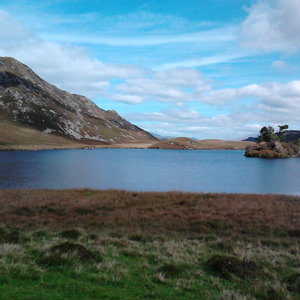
[(183, 143), (28, 100)]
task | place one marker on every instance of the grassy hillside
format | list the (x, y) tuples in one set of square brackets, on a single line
[(88, 244), (16, 137), (182, 143)]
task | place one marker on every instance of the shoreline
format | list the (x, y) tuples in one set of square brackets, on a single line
[(78, 147), (116, 146)]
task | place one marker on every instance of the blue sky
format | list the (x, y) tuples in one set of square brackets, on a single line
[(206, 69)]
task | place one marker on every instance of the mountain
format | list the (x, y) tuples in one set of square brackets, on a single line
[(183, 143), (28, 101)]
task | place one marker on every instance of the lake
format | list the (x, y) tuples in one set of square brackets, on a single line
[(149, 170)]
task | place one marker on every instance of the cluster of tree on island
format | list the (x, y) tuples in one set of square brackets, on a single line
[(268, 134)]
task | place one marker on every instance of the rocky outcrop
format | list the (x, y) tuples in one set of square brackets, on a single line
[(26, 99), (274, 149)]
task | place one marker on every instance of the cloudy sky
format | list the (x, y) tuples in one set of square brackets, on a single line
[(199, 68)]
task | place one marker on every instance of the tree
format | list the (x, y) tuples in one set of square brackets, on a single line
[(282, 128), (267, 134), (281, 131)]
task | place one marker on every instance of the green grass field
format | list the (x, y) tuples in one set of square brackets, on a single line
[(76, 264)]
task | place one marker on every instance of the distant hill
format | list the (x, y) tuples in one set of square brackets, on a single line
[(27, 101), (288, 136), (250, 139), (161, 137), (183, 143), (291, 135)]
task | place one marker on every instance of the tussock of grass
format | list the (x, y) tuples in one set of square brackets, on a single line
[(172, 270), (228, 266)]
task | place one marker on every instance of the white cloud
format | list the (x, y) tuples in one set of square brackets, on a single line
[(205, 61), (279, 65), (130, 99), (272, 25), (284, 67), (182, 115), (12, 32), (187, 122), (175, 86), (69, 68), (275, 103), (103, 38), (274, 94)]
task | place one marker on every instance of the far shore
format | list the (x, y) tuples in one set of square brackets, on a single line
[(204, 146), (75, 146), (19, 138)]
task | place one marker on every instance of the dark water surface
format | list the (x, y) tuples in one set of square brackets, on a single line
[(149, 170)]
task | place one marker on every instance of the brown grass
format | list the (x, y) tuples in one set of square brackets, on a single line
[(15, 137), (149, 212), (209, 144)]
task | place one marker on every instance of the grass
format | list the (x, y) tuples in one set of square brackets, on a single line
[(15, 137), (183, 143), (20, 137), (86, 244), (172, 212)]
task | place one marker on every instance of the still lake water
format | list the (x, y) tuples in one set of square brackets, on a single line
[(149, 170)]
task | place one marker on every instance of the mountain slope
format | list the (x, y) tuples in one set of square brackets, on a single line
[(28, 100)]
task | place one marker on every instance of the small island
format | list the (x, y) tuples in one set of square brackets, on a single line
[(271, 144)]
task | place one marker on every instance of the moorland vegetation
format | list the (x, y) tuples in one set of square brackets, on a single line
[(88, 244)]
